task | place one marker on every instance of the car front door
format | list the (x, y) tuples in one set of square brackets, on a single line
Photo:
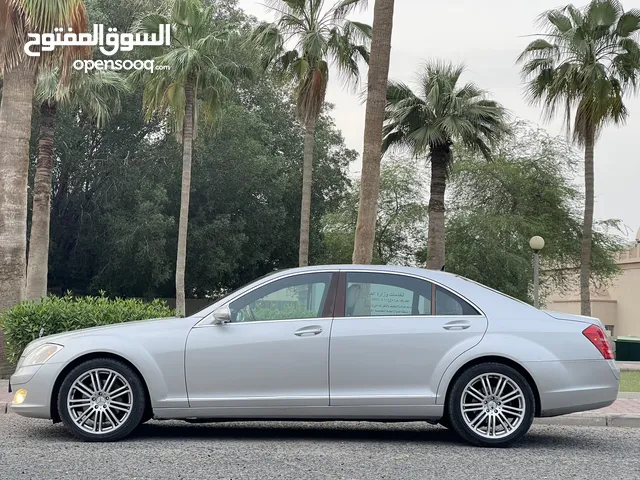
[(393, 336), (273, 353)]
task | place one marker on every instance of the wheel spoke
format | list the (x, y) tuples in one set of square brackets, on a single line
[(475, 393), (472, 407), (511, 396), (97, 426), (120, 391), (113, 419), (80, 387), (95, 381), (500, 386), (513, 410), (109, 381), (122, 409), (486, 383), (479, 419), (506, 424), (491, 427), (86, 415)]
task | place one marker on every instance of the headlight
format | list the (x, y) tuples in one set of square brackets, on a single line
[(41, 354)]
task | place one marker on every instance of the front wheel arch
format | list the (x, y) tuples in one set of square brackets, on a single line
[(505, 361), (55, 415)]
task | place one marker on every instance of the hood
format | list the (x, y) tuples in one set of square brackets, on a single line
[(574, 318), (137, 326)]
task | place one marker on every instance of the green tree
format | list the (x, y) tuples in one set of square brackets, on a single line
[(400, 219), (17, 18), (199, 67), (115, 209), (496, 207), (430, 122), (585, 62), (319, 37), (97, 96)]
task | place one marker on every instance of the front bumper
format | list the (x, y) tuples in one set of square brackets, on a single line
[(575, 386), (38, 381)]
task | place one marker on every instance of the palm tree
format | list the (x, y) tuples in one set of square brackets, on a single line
[(199, 67), (429, 123), (374, 119), (96, 95), (584, 63), (17, 18), (301, 44)]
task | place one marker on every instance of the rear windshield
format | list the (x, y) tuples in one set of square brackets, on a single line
[(493, 290)]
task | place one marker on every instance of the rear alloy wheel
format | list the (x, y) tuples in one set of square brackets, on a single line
[(491, 405), (101, 400)]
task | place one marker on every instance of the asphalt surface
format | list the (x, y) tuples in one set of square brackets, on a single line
[(176, 450)]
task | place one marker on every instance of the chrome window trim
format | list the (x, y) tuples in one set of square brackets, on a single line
[(259, 322), (206, 321)]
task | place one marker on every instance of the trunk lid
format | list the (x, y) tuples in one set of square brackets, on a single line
[(569, 317)]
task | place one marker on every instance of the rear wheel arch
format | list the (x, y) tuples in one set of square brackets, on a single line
[(55, 416), (497, 359)]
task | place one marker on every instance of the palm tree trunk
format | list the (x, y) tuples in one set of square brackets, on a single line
[(587, 227), (374, 118), (305, 209), (37, 265), (187, 155), (15, 131), (440, 158)]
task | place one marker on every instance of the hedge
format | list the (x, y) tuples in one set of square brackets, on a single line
[(30, 320)]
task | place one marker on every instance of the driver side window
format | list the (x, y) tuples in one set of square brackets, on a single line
[(299, 296)]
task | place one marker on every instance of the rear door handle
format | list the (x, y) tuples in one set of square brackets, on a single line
[(457, 325), (308, 331)]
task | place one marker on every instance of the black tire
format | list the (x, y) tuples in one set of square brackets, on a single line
[(138, 400), (456, 417)]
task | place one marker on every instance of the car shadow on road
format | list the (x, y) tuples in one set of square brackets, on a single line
[(407, 432), (540, 437)]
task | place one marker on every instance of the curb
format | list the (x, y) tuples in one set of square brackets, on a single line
[(4, 408), (629, 420)]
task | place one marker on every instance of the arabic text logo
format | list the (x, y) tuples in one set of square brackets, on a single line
[(108, 44)]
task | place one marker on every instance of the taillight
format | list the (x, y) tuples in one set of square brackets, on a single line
[(597, 336)]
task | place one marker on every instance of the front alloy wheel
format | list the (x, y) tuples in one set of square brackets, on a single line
[(491, 405), (101, 400)]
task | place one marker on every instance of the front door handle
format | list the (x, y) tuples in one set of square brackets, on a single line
[(457, 325), (308, 331)]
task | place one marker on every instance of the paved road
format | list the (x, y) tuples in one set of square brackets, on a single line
[(176, 450)]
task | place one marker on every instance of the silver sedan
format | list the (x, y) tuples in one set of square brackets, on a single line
[(351, 342)]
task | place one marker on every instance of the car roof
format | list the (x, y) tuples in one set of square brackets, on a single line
[(422, 272)]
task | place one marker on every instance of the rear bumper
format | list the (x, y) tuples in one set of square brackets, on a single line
[(38, 381), (575, 386)]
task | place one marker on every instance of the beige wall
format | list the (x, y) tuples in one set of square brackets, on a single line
[(618, 305)]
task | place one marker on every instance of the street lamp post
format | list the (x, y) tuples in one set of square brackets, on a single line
[(536, 244)]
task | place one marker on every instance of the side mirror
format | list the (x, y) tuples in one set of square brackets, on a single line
[(221, 315)]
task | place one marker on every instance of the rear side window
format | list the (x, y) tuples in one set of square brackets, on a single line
[(448, 303), (386, 295), (389, 295)]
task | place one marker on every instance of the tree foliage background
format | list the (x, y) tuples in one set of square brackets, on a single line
[(116, 195)]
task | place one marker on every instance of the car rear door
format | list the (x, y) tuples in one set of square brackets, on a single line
[(273, 353), (393, 336)]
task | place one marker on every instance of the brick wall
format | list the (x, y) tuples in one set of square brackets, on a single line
[(6, 369)]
